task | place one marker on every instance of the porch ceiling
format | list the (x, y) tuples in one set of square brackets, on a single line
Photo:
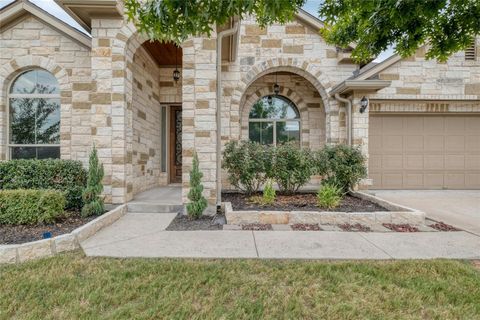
[(164, 53)]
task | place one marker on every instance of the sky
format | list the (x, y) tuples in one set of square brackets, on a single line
[(311, 6)]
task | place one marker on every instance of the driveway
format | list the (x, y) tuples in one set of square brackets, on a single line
[(460, 208)]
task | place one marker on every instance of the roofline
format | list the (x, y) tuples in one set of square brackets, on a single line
[(379, 67), (21, 7), (350, 85)]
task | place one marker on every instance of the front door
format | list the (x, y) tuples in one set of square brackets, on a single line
[(176, 144)]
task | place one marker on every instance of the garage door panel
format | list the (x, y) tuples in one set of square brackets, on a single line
[(424, 151)]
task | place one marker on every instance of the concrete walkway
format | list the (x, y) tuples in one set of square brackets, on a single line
[(143, 235), (460, 208)]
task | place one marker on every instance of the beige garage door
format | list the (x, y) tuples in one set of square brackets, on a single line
[(424, 151)]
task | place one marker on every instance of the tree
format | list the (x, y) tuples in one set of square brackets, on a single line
[(198, 203), (92, 199), (447, 26), (176, 20)]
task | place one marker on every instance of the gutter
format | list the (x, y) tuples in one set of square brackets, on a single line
[(349, 116), (218, 114)]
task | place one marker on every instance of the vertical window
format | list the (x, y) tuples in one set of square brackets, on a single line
[(34, 116), (274, 120), (163, 137)]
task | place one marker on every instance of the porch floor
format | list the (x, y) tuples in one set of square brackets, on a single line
[(163, 199)]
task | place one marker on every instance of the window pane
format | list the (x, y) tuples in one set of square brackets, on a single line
[(274, 107), (35, 81), (48, 152), (261, 132), (48, 121), (23, 152), (288, 131), (163, 128), (22, 120)]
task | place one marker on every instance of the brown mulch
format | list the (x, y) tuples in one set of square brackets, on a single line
[(354, 227), (10, 234), (400, 227), (300, 201), (441, 226), (306, 227), (257, 227)]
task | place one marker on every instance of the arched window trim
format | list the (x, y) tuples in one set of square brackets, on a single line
[(10, 96), (276, 120)]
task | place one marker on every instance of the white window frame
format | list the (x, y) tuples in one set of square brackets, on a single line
[(274, 121), (33, 96)]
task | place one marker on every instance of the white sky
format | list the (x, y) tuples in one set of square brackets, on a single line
[(51, 7)]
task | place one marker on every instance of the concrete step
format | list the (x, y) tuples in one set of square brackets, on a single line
[(145, 207)]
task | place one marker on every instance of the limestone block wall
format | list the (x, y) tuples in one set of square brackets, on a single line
[(146, 157), (31, 43), (170, 91)]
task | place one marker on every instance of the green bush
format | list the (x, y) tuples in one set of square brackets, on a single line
[(248, 164), (31, 206), (65, 175), (341, 165), (92, 199), (292, 167), (329, 196), (269, 193), (198, 203)]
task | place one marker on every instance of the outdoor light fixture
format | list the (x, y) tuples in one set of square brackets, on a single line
[(276, 87), (270, 100), (176, 72), (363, 104)]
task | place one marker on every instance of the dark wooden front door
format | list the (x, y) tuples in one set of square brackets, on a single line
[(176, 144)]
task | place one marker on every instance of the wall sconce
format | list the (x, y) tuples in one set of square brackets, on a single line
[(363, 104)]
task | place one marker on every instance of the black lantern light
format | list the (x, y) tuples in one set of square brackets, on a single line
[(270, 100), (176, 72), (276, 87), (363, 104)]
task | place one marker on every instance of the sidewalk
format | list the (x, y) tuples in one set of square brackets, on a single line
[(143, 235)]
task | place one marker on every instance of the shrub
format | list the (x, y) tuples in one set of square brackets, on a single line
[(329, 196), (292, 167), (31, 206), (269, 193), (248, 164), (198, 203), (93, 202), (341, 165), (65, 175)]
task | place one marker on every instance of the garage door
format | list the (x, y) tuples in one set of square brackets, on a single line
[(424, 151)]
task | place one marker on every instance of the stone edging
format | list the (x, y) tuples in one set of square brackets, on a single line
[(397, 214), (16, 253)]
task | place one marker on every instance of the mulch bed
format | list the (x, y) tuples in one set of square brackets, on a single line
[(184, 223), (400, 227), (441, 226), (257, 227), (357, 227), (25, 233), (306, 227), (300, 201)]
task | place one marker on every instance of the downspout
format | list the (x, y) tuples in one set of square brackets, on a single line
[(220, 36), (349, 117)]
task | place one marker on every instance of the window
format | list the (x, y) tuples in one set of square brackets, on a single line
[(34, 116), (274, 120)]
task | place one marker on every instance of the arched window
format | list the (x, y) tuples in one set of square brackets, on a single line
[(34, 116), (274, 120)]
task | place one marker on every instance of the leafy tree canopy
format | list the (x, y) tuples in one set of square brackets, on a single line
[(447, 26)]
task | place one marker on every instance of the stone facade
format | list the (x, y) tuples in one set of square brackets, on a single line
[(112, 93)]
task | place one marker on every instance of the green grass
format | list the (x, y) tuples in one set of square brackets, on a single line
[(72, 286)]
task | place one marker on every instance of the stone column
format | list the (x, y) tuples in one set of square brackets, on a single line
[(360, 132), (198, 113)]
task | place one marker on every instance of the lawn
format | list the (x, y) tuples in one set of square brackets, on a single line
[(72, 286)]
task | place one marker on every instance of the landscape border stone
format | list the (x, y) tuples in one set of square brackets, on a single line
[(17, 253), (397, 214)]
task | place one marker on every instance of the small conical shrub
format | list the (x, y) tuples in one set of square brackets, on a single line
[(198, 203), (92, 199)]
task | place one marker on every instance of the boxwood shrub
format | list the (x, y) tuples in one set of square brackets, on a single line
[(31, 206), (67, 176)]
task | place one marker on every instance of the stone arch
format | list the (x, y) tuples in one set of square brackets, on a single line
[(14, 68)]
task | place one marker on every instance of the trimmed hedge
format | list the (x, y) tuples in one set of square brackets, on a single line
[(31, 206), (67, 176)]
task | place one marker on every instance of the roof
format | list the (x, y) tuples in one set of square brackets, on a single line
[(19, 8)]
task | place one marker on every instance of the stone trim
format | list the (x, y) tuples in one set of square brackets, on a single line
[(434, 107), (18, 253)]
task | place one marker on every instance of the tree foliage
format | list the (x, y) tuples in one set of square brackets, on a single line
[(447, 26), (92, 199), (176, 20), (197, 203)]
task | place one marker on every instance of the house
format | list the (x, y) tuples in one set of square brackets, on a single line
[(148, 106)]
